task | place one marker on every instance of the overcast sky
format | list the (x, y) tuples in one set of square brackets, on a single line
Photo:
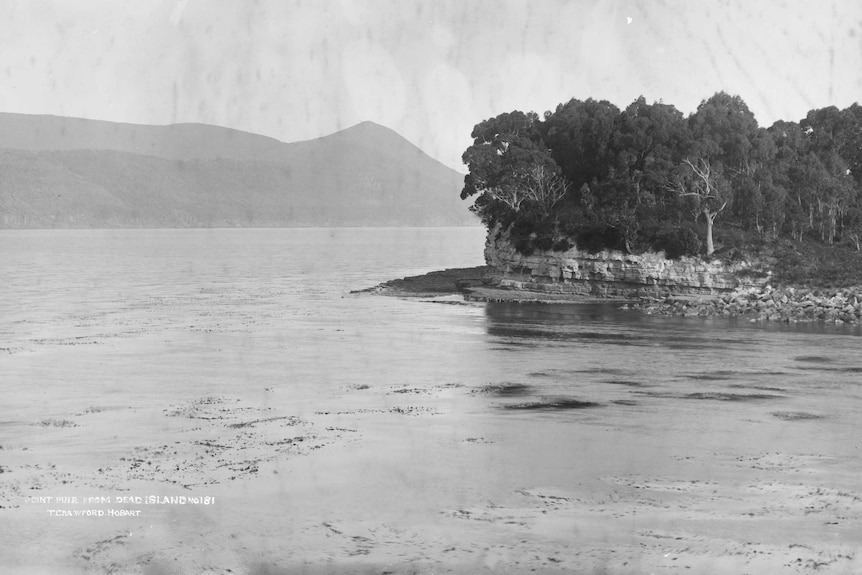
[(429, 69)]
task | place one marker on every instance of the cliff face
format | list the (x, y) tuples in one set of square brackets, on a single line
[(609, 273)]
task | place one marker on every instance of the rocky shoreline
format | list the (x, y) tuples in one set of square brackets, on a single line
[(767, 303), (786, 304), (437, 283), (477, 284)]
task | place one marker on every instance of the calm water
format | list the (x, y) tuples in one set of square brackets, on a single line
[(149, 312)]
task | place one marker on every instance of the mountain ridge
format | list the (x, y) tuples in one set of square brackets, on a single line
[(73, 172)]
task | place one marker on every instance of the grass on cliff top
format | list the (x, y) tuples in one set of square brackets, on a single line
[(807, 264), (815, 265)]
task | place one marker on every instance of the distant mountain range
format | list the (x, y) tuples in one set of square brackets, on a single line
[(60, 172)]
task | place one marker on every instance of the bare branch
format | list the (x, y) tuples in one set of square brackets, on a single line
[(545, 189), (510, 196), (705, 187)]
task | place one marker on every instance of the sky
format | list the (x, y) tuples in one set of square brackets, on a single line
[(428, 69)]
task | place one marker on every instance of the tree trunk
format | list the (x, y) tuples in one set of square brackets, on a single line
[(710, 218)]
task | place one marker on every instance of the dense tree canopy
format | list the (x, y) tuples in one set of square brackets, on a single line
[(506, 161), (649, 178)]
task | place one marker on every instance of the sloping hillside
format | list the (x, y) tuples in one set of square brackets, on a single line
[(66, 172)]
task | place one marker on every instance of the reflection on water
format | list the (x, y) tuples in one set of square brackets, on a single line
[(594, 354)]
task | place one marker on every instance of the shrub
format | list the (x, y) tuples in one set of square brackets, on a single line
[(523, 245), (591, 239), (563, 245), (544, 242), (678, 242), (730, 238)]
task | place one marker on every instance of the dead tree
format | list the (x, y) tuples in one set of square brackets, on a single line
[(545, 189), (708, 190)]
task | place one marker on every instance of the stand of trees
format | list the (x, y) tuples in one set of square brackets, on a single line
[(648, 178)]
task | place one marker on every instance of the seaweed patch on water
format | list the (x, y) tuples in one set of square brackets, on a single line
[(431, 390), (626, 382), (796, 415), (721, 396), (478, 440), (711, 395), (557, 404), (414, 390), (813, 359), (514, 345), (685, 346), (757, 387), (288, 420), (414, 410), (719, 375), (830, 369), (506, 389), (52, 422), (210, 407), (230, 440), (99, 409), (610, 371), (405, 410), (725, 374)]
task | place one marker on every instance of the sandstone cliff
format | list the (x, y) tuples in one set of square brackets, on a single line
[(611, 273)]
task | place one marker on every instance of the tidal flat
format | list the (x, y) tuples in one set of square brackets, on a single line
[(434, 479)]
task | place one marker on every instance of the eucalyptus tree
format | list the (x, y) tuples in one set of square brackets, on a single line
[(703, 186), (722, 131), (579, 135), (785, 170), (645, 146), (833, 139), (507, 156), (852, 152), (758, 202)]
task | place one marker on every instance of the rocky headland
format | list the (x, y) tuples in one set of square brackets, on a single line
[(648, 282), (683, 287)]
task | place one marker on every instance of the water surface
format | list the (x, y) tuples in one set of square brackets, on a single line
[(432, 422)]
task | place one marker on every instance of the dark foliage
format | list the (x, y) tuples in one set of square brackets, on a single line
[(648, 178), (815, 264), (678, 242)]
